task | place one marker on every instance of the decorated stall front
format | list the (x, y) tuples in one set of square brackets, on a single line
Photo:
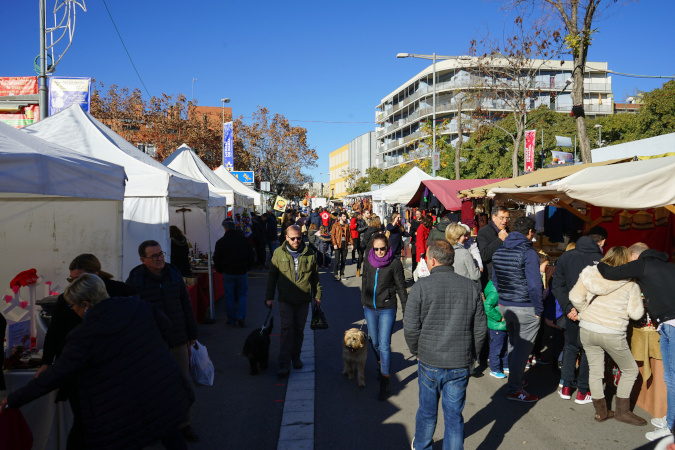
[(635, 202)]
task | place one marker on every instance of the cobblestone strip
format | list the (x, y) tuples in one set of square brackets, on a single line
[(297, 421)]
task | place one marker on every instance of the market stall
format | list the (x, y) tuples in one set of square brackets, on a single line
[(635, 201), (254, 197), (446, 191), (151, 188), (56, 204), (400, 191)]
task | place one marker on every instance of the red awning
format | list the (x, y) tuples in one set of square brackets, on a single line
[(447, 190)]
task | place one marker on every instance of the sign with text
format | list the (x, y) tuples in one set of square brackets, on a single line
[(228, 149), (530, 137), (245, 177), (67, 91), (562, 157), (437, 161), (280, 204), (18, 86)]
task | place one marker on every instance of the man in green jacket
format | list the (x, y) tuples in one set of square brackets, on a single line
[(295, 273)]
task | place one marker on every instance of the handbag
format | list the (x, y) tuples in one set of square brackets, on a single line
[(201, 367), (318, 318)]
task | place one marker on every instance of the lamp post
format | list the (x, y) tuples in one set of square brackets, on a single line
[(599, 127), (321, 182), (432, 57), (224, 100)]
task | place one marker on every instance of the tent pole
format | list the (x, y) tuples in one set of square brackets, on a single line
[(212, 312)]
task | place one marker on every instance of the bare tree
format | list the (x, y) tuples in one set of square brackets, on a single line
[(505, 76)]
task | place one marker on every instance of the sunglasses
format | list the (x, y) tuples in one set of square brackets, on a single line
[(294, 238), (380, 249)]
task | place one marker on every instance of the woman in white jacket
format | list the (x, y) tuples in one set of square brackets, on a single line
[(604, 308), (455, 234)]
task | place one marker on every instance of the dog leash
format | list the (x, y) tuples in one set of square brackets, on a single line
[(266, 319)]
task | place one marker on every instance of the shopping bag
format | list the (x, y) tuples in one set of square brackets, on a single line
[(318, 318), (422, 269), (201, 367)]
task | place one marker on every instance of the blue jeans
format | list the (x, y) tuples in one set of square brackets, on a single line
[(236, 290), (451, 385), (380, 325), (668, 355), (499, 355)]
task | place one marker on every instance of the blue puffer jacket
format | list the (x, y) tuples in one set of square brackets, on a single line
[(167, 292), (516, 275)]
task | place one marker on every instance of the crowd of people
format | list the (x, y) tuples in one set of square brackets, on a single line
[(488, 300)]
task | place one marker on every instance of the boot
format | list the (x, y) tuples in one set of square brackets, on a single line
[(358, 272), (384, 388), (601, 412), (623, 413)]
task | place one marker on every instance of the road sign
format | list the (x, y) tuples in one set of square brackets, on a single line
[(245, 176)]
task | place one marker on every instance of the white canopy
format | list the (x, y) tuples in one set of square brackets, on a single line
[(403, 189), (56, 204), (652, 146), (631, 185), (238, 186), (151, 186), (29, 165), (184, 160)]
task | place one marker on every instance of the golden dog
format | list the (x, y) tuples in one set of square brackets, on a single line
[(354, 354)]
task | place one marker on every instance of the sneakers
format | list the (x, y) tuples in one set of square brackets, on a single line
[(583, 399), (506, 371), (659, 422), (658, 434), (565, 393), (499, 375), (241, 323), (522, 396)]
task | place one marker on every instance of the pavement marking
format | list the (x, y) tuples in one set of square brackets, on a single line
[(297, 420)]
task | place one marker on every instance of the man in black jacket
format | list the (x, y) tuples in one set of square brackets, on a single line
[(162, 285), (587, 252), (234, 258), (444, 325), (490, 238), (656, 277), (259, 240)]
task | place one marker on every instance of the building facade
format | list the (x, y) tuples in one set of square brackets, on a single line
[(401, 114), (363, 153), (338, 171)]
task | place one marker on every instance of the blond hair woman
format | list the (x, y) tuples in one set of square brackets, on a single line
[(455, 234)]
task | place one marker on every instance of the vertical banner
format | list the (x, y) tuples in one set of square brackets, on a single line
[(530, 136), (436, 157), (67, 91), (228, 152)]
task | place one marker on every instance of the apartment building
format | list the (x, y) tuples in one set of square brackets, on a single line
[(338, 171), (401, 114)]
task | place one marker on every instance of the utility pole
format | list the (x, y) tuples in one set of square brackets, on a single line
[(42, 79)]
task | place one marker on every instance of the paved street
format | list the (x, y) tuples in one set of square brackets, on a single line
[(245, 412)]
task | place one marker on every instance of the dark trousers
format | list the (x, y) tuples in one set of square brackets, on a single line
[(261, 256), (293, 318), (572, 349), (413, 253), (499, 356), (340, 260), (361, 250), (76, 434), (173, 440), (355, 248)]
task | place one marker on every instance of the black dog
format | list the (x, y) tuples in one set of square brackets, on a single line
[(257, 347)]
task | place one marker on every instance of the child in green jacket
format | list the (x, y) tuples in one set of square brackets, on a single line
[(499, 361)]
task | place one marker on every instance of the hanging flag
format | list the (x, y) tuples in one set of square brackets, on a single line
[(228, 151), (67, 91), (530, 137)]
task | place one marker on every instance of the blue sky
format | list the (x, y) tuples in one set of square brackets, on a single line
[(312, 61)]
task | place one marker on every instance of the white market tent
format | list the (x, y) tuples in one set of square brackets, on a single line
[(403, 189), (652, 146), (194, 223), (238, 186), (56, 204), (151, 188), (632, 185)]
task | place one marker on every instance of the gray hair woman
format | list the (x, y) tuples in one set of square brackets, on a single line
[(117, 337)]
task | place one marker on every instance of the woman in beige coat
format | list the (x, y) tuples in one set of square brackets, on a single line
[(604, 308)]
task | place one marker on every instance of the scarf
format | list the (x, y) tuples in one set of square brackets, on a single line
[(378, 262)]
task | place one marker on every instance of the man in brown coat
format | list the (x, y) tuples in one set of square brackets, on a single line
[(341, 237)]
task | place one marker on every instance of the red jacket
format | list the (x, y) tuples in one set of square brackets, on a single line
[(352, 226), (421, 241), (325, 218)]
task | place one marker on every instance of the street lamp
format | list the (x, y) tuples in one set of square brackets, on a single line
[(432, 57), (321, 182), (224, 100), (599, 127)]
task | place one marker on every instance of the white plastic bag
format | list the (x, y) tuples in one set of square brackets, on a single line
[(422, 270), (201, 367)]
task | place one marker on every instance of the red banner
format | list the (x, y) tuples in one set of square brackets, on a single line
[(530, 137), (18, 86)]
